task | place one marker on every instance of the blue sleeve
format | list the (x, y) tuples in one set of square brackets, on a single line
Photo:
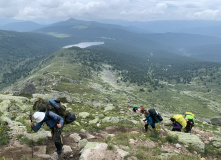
[(56, 117), (145, 119), (150, 120), (37, 126), (52, 102)]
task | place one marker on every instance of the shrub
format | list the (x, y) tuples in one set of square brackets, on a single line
[(4, 137), (110, 147), (172, 139)]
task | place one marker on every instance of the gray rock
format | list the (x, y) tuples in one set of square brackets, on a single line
[(189, 139), (54, 96), (84, 114), (38, 135), (217, 142), (126, 121), (111, 119), (17, 99), (75, 137), (110, 107), (216, 121), (167, 122), (94, 121), (67, 149), (29, 89), (82, 143), (122, 153)]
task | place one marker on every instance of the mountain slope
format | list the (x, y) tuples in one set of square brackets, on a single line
[(26, 26), (75, 31), (20, 52), (101, 75)]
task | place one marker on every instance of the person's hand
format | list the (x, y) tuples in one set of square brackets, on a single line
[(31, 124), (59, 125)]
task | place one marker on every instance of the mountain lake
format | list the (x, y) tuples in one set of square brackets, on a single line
[(84, 44)]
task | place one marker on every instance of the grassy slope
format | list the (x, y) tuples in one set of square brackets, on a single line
[(63, 72)]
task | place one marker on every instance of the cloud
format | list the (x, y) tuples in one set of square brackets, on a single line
[(209, 14), (141, 10)]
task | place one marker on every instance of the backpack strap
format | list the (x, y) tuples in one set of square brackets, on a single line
[(47, 113)]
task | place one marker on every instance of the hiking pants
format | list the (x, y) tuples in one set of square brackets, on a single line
[(176, 129), (57, 138), (146, 126), (135, 109), (187, 130)]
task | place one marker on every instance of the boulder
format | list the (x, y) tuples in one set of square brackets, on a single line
[(4, 105), (67, 149), (75, 137), (167, 122), (122, 153), (53, 96), (189, 139), (38, 135), (111, 119), (17, 99), (82, 143), (110, 107), (216, 121), (84, 114), (95, 150), (126, 121), (216, 142), (94, 121)]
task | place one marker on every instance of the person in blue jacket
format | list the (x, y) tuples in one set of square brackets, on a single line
[(55, 123), (149, 121)]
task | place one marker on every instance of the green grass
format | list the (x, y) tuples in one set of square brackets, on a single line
[(172, 139), (211, 152), (4, 136), (110, 147)]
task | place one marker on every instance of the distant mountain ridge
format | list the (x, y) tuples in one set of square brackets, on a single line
[(179, 43), (203, 27), (26, 26)]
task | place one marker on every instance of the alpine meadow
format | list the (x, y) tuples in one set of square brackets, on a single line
[(172, 71)]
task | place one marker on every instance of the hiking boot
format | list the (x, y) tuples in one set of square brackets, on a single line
[(60, 156)]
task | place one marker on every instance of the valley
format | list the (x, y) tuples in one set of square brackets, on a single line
[(106, 72)]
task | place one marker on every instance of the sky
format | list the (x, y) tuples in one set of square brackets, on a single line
[(131, 10)]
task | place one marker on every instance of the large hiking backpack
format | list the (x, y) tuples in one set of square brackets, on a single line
[(179, 118), (189, 113), (155, 115), (190, 118), (43, 105)]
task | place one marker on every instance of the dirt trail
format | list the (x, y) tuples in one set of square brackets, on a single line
[(17, 151)]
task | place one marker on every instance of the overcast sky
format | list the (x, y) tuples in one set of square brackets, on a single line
[(133, 10)]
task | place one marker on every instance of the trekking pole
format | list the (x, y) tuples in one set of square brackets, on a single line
[(30, 116)]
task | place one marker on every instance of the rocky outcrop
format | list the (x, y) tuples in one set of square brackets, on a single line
[(56, 95), (84, 114), (29, 89), (17, 99), (216, 121), (217, 142), (94, 150), (189, 139), (111, 119)]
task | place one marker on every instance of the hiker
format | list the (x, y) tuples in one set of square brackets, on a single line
[(149, 121), (135, 108), (142, 110), (176, 126), (189, 125), (189, 117), (55, 123)]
